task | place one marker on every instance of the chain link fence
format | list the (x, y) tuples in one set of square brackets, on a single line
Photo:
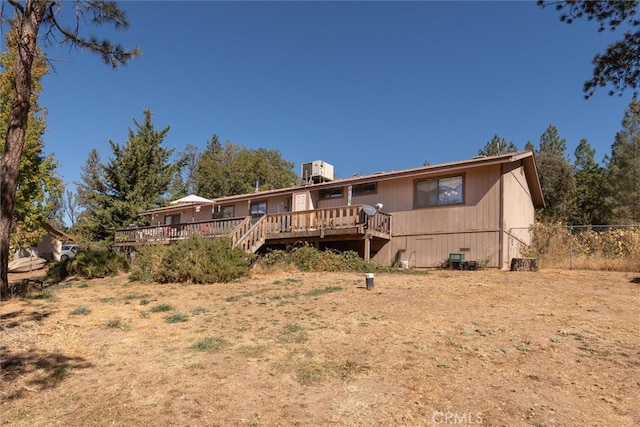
[(585, 247)]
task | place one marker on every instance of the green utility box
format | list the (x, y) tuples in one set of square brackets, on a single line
[(456, 257), (455, 261)]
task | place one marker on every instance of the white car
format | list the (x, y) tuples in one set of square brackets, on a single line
[(68, 252)]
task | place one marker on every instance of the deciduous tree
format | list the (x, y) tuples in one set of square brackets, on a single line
[(233, 169), (38, 186), (69, 201), (27, 19)]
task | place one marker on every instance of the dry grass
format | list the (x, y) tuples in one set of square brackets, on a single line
[(598, 248), (553, 348)]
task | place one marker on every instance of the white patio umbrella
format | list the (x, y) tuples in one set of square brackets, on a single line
[(193, 199)]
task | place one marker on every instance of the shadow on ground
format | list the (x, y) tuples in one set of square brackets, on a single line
[(35, 371), (15, 318)]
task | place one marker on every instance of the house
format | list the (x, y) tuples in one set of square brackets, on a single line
[(49, 247), (416, 217)]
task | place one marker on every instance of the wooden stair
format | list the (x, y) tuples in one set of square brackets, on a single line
[(249, 237)]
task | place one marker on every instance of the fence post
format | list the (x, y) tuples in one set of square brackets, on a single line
[(570, 247)]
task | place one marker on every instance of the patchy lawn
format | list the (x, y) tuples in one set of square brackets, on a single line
[(553, 348)]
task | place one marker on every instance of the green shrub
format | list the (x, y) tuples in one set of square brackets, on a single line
[(307, 258), (59, 270), (147, 263), (90, 264), (193, 260)]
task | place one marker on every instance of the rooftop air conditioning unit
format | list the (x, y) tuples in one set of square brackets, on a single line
[(317, 171)]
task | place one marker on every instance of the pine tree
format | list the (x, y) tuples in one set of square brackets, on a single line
[(624, 169), (551, 143), (497, 146), (619, 64), (590, 187), (136, 178), (91, 195), (529, 146), (183, 182), (556, 178)]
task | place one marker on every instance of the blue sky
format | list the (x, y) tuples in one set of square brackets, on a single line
[(365, 86)]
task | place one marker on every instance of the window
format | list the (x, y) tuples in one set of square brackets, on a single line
[(172, 219), (362, 189), (258, 209), (331, 193), (438, 192), (223, 212)]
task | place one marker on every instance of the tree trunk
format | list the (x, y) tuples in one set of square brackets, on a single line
[(27, 21)]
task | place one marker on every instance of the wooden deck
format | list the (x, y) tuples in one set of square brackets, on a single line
[(165, 234), (338, 223)]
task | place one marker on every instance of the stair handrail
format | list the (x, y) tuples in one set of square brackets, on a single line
[(253, 235)]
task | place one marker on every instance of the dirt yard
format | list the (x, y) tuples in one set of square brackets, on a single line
[(491, 348)]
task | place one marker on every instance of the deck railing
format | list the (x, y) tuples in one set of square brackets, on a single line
[(247, 234), (170, 232), (241, 230), (317, 219), (253, 238)]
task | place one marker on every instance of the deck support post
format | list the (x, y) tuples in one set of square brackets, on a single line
[(367, 248)]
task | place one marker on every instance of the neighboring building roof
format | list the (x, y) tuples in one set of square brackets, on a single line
[(58, 234)]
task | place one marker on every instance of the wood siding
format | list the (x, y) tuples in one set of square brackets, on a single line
[(518, 212), (497, 201), (188, 213), (426, 236)]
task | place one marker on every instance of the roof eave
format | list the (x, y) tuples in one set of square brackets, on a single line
[(422, 171)]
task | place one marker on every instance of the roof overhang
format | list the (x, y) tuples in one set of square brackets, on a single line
[(58, 234), (526, 157)]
